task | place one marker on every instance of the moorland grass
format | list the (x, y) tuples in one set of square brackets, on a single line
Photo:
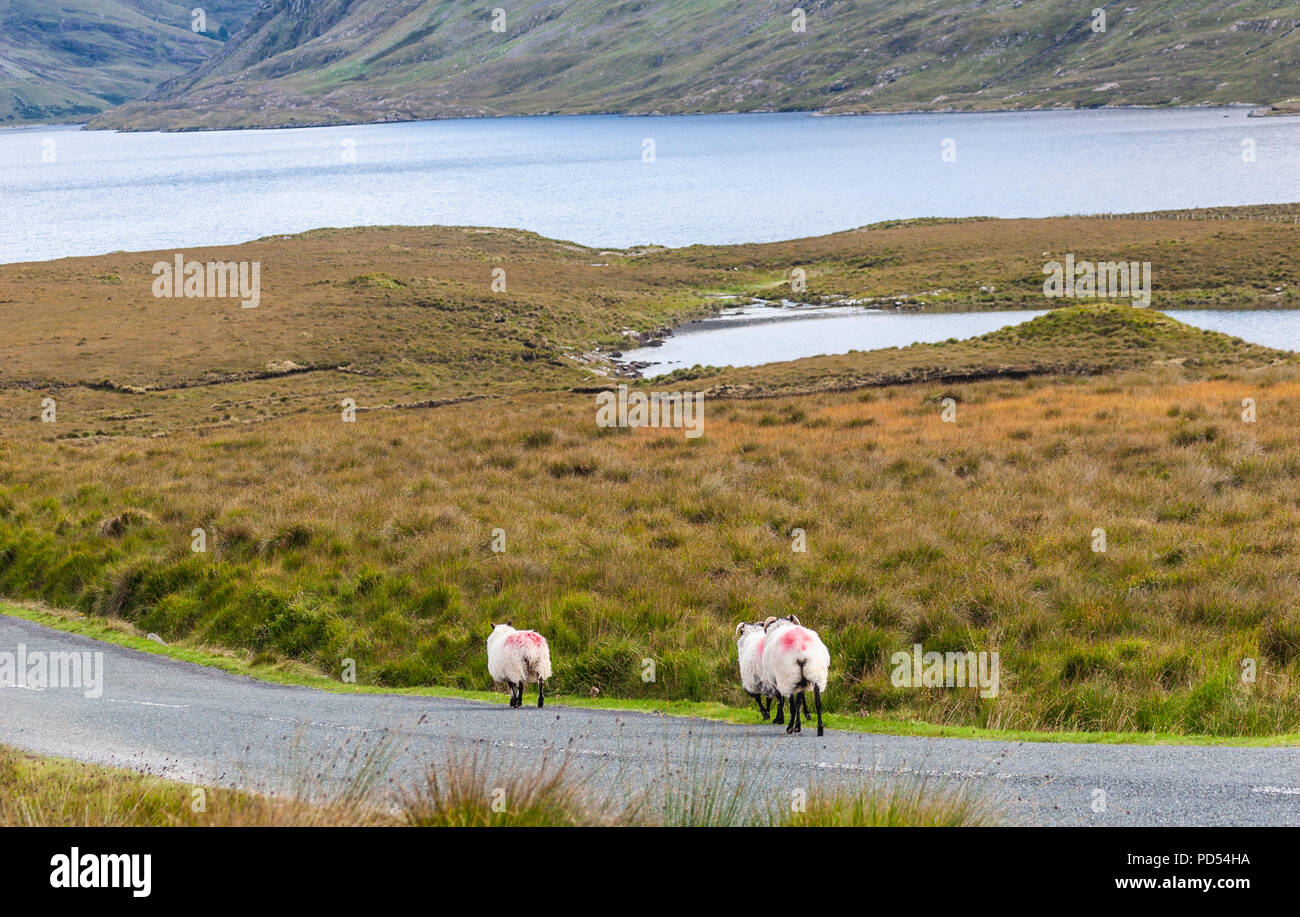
[(971, 535), (371, 541), (406, 316)]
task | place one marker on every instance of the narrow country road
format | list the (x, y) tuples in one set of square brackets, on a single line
[(201, 725)]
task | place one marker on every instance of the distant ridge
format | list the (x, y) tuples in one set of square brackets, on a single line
[(71, 60), (307, 62)]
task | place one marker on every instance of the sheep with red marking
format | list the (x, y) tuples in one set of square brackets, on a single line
[(795, 659), (518, 658), (749, 650)]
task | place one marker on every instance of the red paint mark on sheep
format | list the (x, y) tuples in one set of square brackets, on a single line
[(794, 638), (520, 638)]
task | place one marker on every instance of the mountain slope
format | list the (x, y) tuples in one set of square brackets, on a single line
[(71, 59), (338, 61)]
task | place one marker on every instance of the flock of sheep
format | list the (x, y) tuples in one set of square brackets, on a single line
[(779, 658)]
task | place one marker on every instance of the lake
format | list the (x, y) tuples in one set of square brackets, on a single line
[(1278, 328), (757, 334), (713, 178)]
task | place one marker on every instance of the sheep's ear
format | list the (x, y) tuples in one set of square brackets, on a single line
[(739, 628), (510, 624)]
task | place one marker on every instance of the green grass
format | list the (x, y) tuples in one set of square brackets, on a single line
[(70, 62)]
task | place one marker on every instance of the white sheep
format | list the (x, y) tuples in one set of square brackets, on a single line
[(750, 639), (795, 659), (518, 657), (749, 650)]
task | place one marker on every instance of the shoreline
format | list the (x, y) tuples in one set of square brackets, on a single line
[(1160, 215), (1257, 109)]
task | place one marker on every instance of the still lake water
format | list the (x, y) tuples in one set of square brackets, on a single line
[(714, 178), (1278, 328), (768, 334), (758, 334)]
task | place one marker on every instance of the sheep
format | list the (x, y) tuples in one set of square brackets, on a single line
[(753, 677), (749, 650), (795, 659), (518, 657)]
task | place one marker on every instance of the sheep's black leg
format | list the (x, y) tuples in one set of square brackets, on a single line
[(540, 692), (515, 692), (780, 710), (766, 703), (794, 715), (804, 697), (758, 699), (817, 700)]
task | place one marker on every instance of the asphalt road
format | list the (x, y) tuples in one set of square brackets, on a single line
[(200, 725)]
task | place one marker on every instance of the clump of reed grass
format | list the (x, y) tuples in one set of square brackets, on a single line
[(465, 791), (914, 804)]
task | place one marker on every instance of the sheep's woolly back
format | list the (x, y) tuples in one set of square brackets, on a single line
[(516, 656), (749, 650), (794, 658)]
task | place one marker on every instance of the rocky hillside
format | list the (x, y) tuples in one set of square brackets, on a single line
[(336, 61)]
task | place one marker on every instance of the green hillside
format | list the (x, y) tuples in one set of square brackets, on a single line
[(68, 60), (338, 61)]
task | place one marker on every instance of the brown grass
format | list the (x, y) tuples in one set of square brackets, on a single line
[(120, 361)]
